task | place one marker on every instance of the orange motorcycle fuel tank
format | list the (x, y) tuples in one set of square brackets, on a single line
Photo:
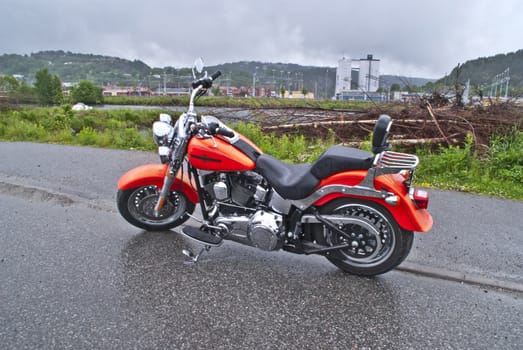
[(220, 153)]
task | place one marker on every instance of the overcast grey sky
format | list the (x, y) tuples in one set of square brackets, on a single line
[(410, 37)]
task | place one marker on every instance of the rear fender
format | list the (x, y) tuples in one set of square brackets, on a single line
[(154, 174), (405, 212)]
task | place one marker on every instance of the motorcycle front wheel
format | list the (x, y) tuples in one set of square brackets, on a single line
[(136, 205), (376, 243)]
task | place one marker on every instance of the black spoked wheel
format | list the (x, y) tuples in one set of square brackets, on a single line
[(376, 243), (136, 205)]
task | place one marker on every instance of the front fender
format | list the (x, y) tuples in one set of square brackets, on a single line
[(154, 174), (405, 212)]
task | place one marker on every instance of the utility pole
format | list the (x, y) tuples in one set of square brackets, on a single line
[(254, 82), (370, 73), (326, 80), (229, 84), (164, 83), (507, 79), (501, 80)]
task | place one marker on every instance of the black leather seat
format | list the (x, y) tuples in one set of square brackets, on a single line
[(340, 158), (299, 181), (289, 180)]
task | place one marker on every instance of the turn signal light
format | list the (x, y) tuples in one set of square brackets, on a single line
[(419, 197)]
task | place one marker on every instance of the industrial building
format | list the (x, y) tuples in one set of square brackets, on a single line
[(358, 79)]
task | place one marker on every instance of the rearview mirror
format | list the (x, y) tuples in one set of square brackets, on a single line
[(198, 66)]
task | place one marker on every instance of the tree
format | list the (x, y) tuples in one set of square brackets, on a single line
[(304, 91), (429, 87), (9, 84), (17, 91), (216, 91), (395, 87), (48, 87), (87, 92), (412, 88)]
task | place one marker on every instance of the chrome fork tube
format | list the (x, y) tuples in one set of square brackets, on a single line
[(167, 182)]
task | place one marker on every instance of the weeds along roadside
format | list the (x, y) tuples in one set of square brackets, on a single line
[(498, 171), (122, 129)]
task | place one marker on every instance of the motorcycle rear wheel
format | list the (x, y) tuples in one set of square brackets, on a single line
[(136, 205), (376, 242)]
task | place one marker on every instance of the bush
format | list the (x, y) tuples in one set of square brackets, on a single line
[(87, 92), (87, 136), (131, 138), (55, 123), (500, 173), (505, 156)]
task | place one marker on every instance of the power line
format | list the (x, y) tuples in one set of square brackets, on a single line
[(500, 80)]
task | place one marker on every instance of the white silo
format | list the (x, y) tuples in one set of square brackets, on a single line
[(343, 75)]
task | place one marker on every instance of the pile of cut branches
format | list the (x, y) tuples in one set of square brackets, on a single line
[(413, 124), (431, 121)]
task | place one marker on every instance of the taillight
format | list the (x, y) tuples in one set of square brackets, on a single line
[(419, 197)]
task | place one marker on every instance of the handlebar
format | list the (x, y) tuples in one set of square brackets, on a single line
[(225, 132), (216, 75), (206, 83), (215, 129)]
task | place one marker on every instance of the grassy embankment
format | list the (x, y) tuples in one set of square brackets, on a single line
[(498, 171)]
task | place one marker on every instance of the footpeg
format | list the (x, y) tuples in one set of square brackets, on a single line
[(202, 237)]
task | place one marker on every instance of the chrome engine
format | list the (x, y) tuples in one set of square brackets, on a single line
[(261, 229), (240, 209)]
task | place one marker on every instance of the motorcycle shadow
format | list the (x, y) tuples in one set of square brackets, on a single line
[(156, 249), (250, 292)]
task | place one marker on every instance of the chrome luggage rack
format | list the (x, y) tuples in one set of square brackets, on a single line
[(390, 162)]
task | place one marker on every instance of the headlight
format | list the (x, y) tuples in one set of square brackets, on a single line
[(162, 133)]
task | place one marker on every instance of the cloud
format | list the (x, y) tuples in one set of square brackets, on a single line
[(410, 37)]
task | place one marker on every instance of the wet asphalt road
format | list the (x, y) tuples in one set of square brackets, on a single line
[(73, 274)]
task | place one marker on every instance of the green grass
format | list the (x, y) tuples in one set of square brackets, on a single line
[(100, 128), (496, 171), (291, 149)]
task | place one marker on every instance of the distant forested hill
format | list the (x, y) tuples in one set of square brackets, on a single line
[(482, 71), (402, 81), (72, 67), (318, 80), (105, 70)]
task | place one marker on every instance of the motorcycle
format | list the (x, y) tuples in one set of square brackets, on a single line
[(356, 208)]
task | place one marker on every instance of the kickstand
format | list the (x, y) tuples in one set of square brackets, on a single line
[(193, 259)]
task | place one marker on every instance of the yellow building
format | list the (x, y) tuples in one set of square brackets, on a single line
[(298, 95)]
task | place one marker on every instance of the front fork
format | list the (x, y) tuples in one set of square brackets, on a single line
[(180, 148), (167, 183)]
